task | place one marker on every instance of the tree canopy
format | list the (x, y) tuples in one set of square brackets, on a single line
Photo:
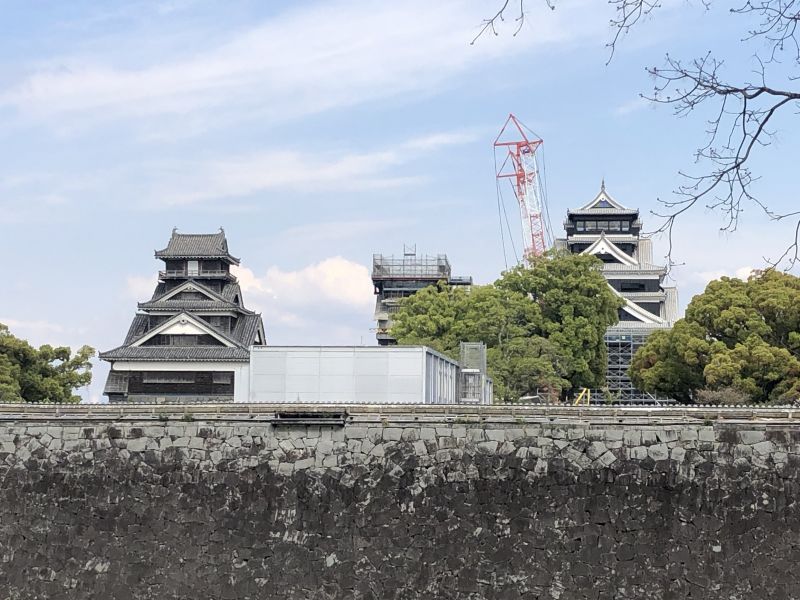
[(543, 324), (46, 374), (737, 334)]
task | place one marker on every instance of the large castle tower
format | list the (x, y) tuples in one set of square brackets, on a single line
[(612, 232)]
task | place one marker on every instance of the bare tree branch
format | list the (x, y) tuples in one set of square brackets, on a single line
[(742, 113)]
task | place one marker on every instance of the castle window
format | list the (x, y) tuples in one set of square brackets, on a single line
[(626, 226), (613, 225), (223, 377), (167, 377), (580, 225)]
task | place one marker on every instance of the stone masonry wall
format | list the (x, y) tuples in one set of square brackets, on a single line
[(526, 508)]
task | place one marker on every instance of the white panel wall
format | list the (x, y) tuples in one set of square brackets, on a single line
[(363, 375)]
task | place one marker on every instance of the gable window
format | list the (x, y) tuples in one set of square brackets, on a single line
[(603, 204)]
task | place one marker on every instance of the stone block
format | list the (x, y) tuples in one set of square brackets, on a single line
[(688, 434), (513, 435), (596, 450), (356, 433), (8, 447), (764, 448), (420, 448), (607, 459), (330, 461), (324, 447), (667, 435), (303, 464), (638, 453), (182, 442), (495, 435), (410, 434), (428, 434), (138, 444), (487, 447), (476, 434), (392, 433), (677, 454), (444, 431), (751, 437), (648, 437), (658, 452), (285, 468), (459, 432), (706, 434)]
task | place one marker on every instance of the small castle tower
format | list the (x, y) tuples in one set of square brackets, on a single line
[(190, 342)]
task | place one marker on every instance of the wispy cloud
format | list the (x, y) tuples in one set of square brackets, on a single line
[(632, 106), (342, 54), (335, 231), (313, 171)]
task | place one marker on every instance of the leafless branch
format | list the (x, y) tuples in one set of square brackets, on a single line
[(491, 23)]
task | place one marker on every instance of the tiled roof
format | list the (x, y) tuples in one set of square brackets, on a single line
[(246, 328), (223, 301), (191, 305), (632, 268), (137, 329), (197, 245), (603, 211), (177, 353)]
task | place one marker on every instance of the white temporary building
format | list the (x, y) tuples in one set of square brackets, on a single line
[(361, 375)]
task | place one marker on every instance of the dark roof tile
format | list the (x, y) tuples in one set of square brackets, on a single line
[(197, 245)]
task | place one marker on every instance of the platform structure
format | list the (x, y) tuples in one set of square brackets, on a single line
[(398, 277)]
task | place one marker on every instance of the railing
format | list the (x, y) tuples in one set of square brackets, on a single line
[(460, 413), (199, 273)]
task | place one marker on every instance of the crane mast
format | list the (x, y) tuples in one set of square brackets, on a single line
[(517, 146)]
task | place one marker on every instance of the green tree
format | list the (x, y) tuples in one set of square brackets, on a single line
[(46, 374), (743, 335), (543, 324)]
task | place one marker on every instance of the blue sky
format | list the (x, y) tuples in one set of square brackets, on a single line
[(317, 133)]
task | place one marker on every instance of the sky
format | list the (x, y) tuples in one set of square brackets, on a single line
[(319, 133)]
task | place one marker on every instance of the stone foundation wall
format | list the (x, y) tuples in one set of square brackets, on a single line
[(401, 507)]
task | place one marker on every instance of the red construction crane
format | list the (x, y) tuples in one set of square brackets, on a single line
[(518, 148)]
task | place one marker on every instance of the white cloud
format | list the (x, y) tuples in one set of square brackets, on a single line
[(632, 106), (320, 170), (140, 287), (36, 328), (328, 302), (303, 61), (332, 281)]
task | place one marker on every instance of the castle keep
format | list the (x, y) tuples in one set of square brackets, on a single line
[(190, 342), (612, 232)]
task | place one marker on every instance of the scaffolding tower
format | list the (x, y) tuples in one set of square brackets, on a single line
[(398, 277)]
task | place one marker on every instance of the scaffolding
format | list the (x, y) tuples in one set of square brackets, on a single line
[(621, 345), (410, 267), (397, 277)]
